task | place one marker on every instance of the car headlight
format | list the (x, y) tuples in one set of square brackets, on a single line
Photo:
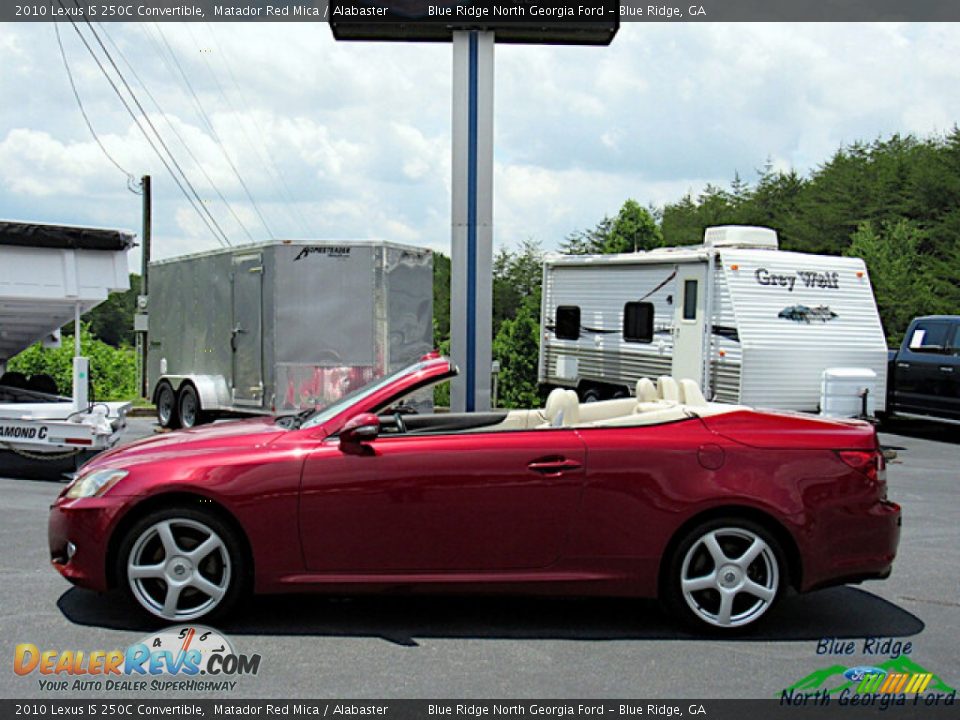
[(96, 483)]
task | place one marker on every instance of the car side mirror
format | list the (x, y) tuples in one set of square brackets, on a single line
[(360, 429)]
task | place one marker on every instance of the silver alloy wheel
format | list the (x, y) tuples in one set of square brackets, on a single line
[(730, 577), (179, 569), (165, 403)]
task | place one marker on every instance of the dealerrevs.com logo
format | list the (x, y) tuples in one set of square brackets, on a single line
[(183, 658)]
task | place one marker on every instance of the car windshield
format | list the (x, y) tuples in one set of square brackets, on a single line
[(318, 416)]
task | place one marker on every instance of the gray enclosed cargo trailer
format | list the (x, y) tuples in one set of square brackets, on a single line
[(281, 326)]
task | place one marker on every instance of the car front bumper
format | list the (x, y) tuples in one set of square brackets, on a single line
[(78, 532)]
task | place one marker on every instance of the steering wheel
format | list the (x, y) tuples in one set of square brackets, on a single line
[(401, 425)]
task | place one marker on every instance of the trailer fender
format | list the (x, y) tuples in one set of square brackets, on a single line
[(212, 390)]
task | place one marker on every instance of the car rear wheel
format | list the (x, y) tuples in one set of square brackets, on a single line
[(180, 564), (725, 575), (167, 406)]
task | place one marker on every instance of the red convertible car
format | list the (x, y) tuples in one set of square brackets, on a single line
[(716, 509)]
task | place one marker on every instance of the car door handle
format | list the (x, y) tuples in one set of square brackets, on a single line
[(554, 466), (903, 365), (946, 368)]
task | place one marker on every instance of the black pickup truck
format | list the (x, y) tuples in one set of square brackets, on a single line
[(923, 378)]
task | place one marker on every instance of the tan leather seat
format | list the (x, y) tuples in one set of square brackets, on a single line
[(554, 404), (690, 393), (605, 409), (646, 390), (570, 411), (667, 389)]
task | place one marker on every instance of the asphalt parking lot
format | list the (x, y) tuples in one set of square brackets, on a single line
[(424, 647)]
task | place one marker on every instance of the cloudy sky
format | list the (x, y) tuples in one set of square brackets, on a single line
[(351, 140)]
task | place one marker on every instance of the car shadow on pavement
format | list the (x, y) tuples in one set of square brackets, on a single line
[(842, 612)]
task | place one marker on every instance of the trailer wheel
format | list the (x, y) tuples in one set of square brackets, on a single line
[(590, 395), (167, 406), (189, 409)]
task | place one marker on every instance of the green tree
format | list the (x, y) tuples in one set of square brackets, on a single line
[(441, 299), (517, 347), (112, 320), (587, 242), (905, 279), (113, 371), (516, 275), (633, 229)]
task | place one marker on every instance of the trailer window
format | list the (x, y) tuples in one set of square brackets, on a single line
[(689, 299), (638, 322), (568, 322)]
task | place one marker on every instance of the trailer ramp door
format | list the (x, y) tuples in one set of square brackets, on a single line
[(246, 337)]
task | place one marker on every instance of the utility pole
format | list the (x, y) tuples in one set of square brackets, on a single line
[(140, 324)]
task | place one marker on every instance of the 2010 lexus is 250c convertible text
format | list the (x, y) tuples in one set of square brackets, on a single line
[(716, 509)]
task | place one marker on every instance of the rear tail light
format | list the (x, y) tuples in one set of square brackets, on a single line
[(866, 461), (869, 462)]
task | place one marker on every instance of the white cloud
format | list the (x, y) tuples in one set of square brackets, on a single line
[(360, 132)]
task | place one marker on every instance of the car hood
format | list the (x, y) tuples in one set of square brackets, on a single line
[(222, 436)]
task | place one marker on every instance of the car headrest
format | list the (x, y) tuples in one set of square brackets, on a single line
[(691, 394), (569, 410), (554, 403), (646, 390), (667, 388)]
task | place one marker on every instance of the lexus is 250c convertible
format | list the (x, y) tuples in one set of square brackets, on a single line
[(716, 509)]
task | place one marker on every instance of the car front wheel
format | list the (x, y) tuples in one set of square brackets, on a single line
[(182, 564), (725, 575)]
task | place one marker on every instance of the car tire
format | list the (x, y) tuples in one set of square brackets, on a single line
[(180, 564), (724, 575), (189, 409), (167, 415)]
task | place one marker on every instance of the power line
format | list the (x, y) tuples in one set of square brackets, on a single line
[(213, 131), (149, 122), (271, 167), (140, 127), (73, 86), (211, 223), (176, 132)]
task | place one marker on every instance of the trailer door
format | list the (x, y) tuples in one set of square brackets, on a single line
[(246, 340), (688, 322)]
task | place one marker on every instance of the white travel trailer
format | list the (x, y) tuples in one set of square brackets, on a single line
[(750, 323)]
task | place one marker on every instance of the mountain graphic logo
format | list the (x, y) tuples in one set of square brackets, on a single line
[(899, 675)]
